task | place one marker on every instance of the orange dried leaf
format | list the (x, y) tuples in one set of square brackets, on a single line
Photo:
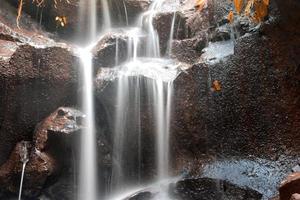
[(230, 17), (266, 2), (261, 10), (238, 4)]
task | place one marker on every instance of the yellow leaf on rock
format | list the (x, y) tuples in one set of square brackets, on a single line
[(248, 7), (62, 21), (216, 86), (230, 17), (200, 4)]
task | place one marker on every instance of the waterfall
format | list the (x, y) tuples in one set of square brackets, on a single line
[(153, 49), (88, 169), (143, 74), (162, 103), (88, 184)]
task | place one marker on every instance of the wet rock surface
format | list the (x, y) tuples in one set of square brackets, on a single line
[(206, 188), (33, 82), (29, 32), (261, 175), (163, 23), (110, 47), (259, 86), (144, 195), (255, 111)]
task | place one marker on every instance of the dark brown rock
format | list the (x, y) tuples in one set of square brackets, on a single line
[(188, 50), (129, 10), (290, 186), (33, 83), (105, 50), (163, 22), (63, 121), (257, 110), (45, 157)]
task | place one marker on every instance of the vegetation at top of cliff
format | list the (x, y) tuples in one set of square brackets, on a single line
[(62, 21), (256, 10)]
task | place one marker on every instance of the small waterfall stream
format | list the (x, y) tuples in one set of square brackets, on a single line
[(24, 158), (88, 170), (88, 184)]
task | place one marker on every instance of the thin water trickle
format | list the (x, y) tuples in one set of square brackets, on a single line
[(24, 158), (169, 49)]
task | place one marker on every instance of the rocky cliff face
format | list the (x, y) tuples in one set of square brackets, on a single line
[(241, 104)]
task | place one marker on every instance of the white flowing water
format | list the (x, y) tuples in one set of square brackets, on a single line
[(152, 46), (169, 49), (88, 170), (88, 184), (21, 182), (158, 74), (162, 105), (106, 24), (143, 73)]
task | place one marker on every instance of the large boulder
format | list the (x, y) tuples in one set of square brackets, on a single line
[(244, 104), (163, 23), (33, 82), (111, 49), (37, 75), (45, 156)]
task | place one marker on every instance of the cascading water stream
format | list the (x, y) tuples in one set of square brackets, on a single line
[(88, 171), (127, 137), (169, 49), (106, 24), (159, 74), (88, 185), (24, 158)]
